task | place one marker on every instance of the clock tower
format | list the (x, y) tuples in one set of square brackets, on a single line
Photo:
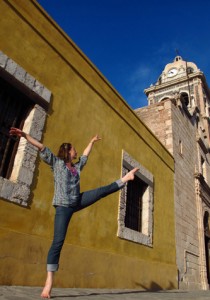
[(178, 114), (182, 79)]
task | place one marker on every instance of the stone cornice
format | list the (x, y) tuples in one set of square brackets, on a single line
[(204, 188), (179, 80), (202, 144)]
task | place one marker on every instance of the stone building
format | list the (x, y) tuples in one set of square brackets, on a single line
[(178, 114), (53, 91)]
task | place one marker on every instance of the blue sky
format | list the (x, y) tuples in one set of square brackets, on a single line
[(130, 41)]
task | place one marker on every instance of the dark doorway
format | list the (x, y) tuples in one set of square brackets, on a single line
[(207, 244)]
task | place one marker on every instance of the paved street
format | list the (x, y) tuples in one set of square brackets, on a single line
[(30, 293)]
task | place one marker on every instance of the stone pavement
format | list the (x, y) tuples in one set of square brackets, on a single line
[(31, 293)]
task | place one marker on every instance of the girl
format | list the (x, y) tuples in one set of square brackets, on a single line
[(67, 196)]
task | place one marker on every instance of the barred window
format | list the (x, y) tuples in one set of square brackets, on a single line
[(14, 107), (135, 192), (135, 220)]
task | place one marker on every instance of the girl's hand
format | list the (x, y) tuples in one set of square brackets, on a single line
[(88, 149), (16, 131), (31, 140), (96, 138)]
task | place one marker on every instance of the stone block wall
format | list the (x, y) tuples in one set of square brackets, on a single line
[(158, 118), (177, 133)]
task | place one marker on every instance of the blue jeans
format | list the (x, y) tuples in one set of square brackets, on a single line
[(63, 216)]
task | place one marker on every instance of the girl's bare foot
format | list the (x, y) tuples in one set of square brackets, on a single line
[(130, 175), (46, 293)]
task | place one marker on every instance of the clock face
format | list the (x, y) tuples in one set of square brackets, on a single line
[(172, 72)]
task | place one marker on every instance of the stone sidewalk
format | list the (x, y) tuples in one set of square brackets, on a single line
[(31, 293)]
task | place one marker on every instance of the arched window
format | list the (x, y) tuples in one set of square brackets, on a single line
[(164, 98), (190, 70), (177, 58), (185, 98)]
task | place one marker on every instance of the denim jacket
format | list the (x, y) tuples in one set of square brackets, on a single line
[(66, 183)]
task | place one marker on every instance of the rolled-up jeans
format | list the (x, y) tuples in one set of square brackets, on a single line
[(63, 216)]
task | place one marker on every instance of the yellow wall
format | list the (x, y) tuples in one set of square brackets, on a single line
[(83, 104)]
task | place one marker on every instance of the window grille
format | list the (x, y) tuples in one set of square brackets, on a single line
[(14, 108), (135, 191)]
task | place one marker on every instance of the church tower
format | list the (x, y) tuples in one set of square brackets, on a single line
[(181, 78), (178, 113)]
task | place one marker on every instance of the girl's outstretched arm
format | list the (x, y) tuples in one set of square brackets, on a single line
[(20, 133), (88, 149)]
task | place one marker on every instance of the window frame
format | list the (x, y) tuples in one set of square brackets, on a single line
[(144, 237), (17, 188)]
